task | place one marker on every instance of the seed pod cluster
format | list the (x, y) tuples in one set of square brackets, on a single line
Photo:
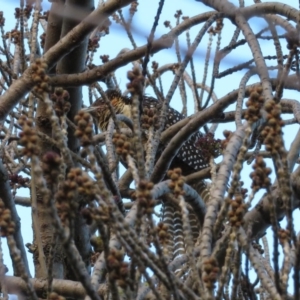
[(51, 162), (15, 36), (272, 132), (65, 199), (43, 40), (118, 268), (144, 196), (163, 234), (101, 213), (60, 98), (122, 144), (7, 226), (260, 175), (86, 187), (26, 11), (254, 105), (177, 181), (149, 118), (211, 270), (84, 129), (237, 212), (39, 77), (136, 81), (28, 137)]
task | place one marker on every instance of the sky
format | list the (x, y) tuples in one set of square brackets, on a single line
[(141, 24)]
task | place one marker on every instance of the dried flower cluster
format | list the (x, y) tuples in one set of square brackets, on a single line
[(18, 179), (93, 44), (133, 7), (104, 58), (218, 28), (209, 146)]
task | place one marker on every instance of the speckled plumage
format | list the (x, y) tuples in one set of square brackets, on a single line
[(121, 105), (189, 154)]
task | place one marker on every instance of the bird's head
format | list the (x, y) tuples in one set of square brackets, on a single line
[(101, 108)]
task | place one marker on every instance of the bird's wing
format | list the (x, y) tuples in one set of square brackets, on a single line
[(188, 153)]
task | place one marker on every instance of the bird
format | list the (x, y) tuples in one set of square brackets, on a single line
[(189, 157)]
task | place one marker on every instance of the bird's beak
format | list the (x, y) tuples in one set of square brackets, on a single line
[(89, 109)]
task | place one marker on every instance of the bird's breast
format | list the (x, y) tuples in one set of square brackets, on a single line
[(127, 111)]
